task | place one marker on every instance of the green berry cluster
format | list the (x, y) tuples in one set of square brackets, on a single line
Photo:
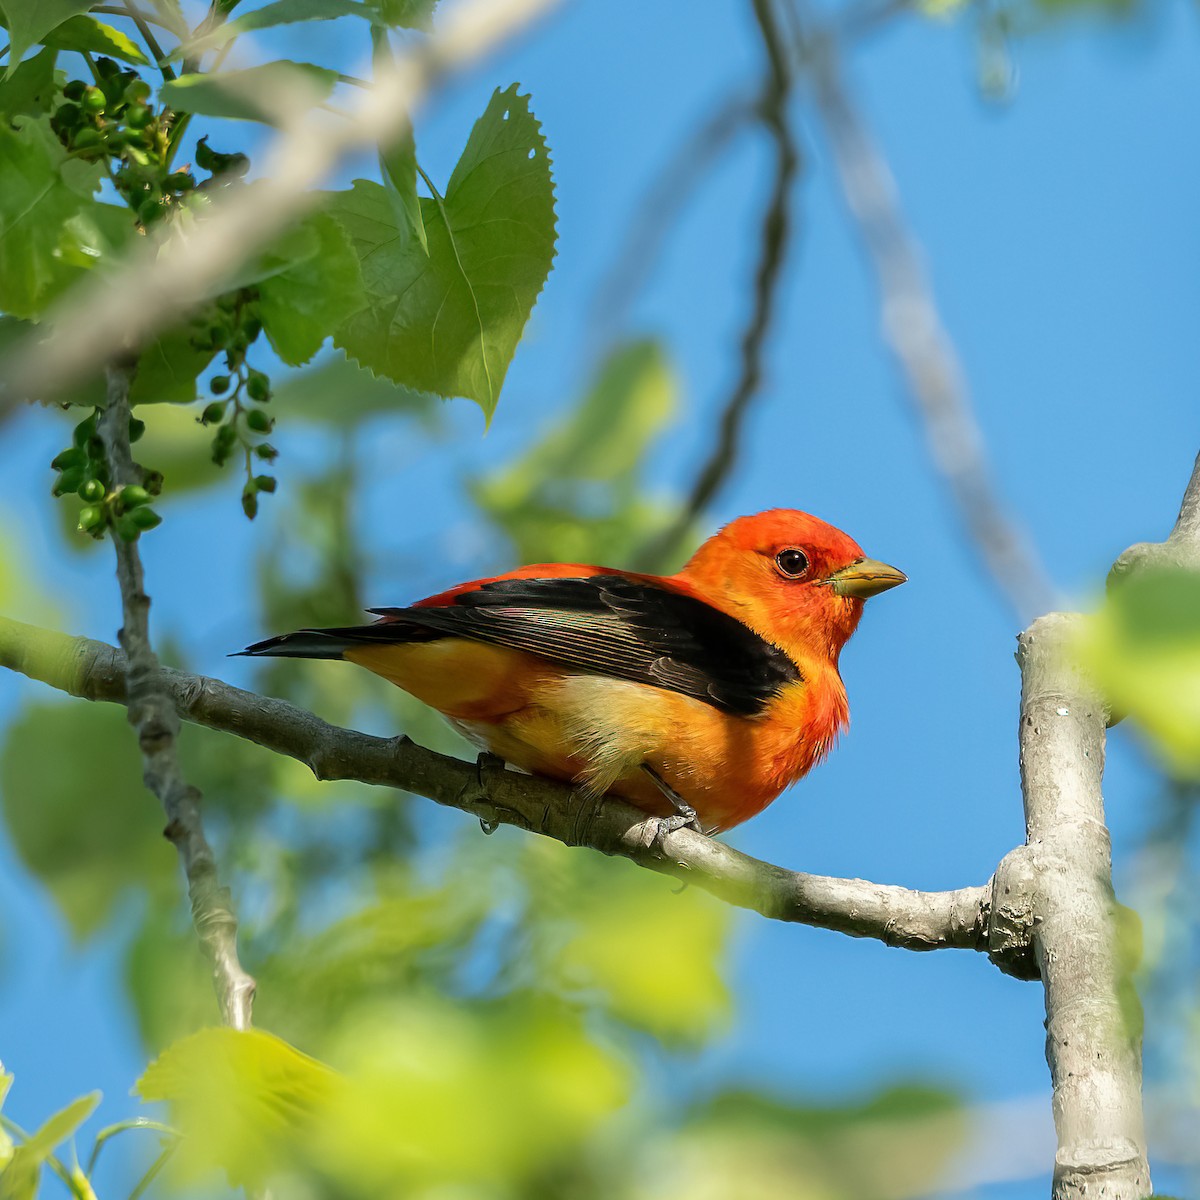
[(233, 326), (82, 469)]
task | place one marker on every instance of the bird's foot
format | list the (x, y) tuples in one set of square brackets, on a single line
[(486, 761), (684, 816)]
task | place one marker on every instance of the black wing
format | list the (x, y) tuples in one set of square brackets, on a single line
[(610, 625)]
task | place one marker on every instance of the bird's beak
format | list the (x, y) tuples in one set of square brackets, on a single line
[(864, 578)]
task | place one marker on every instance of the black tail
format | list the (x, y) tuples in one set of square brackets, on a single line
[(332, 643)]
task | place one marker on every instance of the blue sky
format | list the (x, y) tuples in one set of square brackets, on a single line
[(1061, 235)]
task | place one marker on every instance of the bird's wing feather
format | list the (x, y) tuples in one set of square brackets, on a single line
[(610, 625)]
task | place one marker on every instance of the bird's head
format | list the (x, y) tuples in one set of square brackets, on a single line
[(798, 581)]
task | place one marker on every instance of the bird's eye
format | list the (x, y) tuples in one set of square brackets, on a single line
[(792, 563)]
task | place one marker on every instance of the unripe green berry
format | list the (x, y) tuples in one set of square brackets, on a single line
[(138, 116), (264, 483), (75, 89), (93, 100), (145, 518), (86, 139), (218, 385), (213, 413), (266, 452), (258, 386), (250, 503), (68, 116), (126, 529), (132, 496), (138, 92), (91, 490), (84, 432), (179, 181), (68, 481), (136, 429), (259, 421), (90, 518)]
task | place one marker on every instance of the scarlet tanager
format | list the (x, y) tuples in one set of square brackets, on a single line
[(698, 696)]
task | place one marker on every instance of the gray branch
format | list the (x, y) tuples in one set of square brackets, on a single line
[(897, 916), (1093, 1040), (914, 330), (154, 717), (1182, 546)]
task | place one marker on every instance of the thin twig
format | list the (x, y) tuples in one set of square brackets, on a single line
[(153, 716), (773, 111), (160, 59), (894, 915), (161, 279), (916, 334), (1182, 546)]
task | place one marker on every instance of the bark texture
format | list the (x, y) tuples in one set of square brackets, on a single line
[(154, 717), (1093, 1034)]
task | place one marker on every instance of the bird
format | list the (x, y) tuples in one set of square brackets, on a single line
[(699, 697)]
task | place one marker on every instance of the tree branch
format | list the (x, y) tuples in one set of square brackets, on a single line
[(1093, 1040), (773, 111), (897, 916), (1182, 547), (153, 715), (914, 330)]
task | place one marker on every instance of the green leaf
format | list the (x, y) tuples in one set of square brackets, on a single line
[(42, 194), (19, 1180), (28, 22), (88, 34), (239, 1097), (574, 496), (449, 321), (341, 392), (405, 14), (305, 303), (29, 90), (78, 814), (168, 369), (1143, 649), (398, 165), (266, 93)]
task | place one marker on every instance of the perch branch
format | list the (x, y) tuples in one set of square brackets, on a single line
[(776, 229), (897, 916), (154, 717)]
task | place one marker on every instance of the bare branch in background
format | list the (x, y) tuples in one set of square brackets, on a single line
[(658, 209), (916, 334), (160, 281), (894, 915), (776, 229), (153, 715)]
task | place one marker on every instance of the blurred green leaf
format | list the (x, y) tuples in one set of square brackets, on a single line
[(435, 1093), (303, 304), (1143, 649), (575, 496), (87, 34), (341, 392), (42, 194), (29, 90), (167, 371), (448, 322), (281, 12), (406, 14), (28, 22), (19, 1180), (264, 93), (78, 813), (238, 1097)]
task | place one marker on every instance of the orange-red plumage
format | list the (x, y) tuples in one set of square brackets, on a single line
[(721, 680)]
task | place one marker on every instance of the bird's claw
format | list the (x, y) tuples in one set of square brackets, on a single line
[(664, 826)]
